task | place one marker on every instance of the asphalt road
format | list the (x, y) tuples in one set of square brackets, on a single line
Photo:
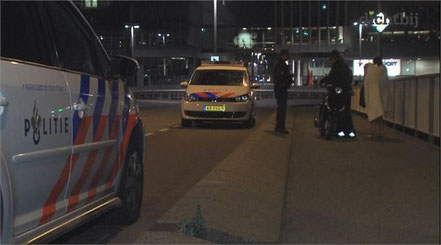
[(176, 159), (337, 191)]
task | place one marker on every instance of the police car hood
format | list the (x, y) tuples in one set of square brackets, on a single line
[(217, 91)]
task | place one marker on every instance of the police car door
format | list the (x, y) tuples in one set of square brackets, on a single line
[(95, 120), (35, 121)]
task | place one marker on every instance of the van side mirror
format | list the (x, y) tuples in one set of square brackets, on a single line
[(124, 67), (184, 84)]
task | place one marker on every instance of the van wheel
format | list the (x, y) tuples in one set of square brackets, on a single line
[(131, 187), (250, 122), (186, 123)]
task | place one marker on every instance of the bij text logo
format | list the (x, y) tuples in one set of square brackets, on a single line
[(380, 21)]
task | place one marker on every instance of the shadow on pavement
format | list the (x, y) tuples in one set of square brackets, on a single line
[(218, 125), (272, 132)]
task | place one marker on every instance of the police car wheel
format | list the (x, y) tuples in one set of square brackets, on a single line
[(131, 188), (186, 123), (250, 122)]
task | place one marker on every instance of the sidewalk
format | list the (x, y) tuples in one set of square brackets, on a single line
[(361, 191), (338, 191)]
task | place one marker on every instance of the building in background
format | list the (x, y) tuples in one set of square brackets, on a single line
[(174, 36)]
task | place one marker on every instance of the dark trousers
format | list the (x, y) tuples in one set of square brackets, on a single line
[(346, 118), (282, 97)]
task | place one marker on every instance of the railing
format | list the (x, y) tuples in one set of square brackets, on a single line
[(176, 94), (415, 103)]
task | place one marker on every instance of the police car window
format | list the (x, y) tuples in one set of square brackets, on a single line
[(218, 77), (23, 35), (77, 47)]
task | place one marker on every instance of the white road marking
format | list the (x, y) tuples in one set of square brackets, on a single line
[(149, 134), (163, 130)]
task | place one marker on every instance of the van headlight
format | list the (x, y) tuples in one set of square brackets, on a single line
[(242, 98), (189, 97), (338, 90)]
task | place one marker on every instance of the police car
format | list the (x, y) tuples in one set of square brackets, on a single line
[(219, 91), (71, 138)]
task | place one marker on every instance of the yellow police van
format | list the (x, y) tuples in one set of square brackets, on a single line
[(219, 91)]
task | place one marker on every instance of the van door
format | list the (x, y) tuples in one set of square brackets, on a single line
[(96, 101), (35, 119)]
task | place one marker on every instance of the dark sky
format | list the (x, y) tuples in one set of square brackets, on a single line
[(257, 13)]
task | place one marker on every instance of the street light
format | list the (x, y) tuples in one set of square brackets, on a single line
[(360, 31), (163, 35), (164, 64), (215, 27), (132, 28)]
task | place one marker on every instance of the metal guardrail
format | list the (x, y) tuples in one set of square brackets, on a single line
[(415, 104), (177, 94)]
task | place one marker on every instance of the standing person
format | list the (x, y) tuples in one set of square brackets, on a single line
[(341, 76), (282, 81), (376, 94)]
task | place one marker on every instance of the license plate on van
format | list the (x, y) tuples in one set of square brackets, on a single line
[(214, 108)]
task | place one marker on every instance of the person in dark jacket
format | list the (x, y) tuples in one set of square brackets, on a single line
[(282, 80), (341, 76)]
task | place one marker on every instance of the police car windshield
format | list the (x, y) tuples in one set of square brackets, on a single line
[(218, 77)]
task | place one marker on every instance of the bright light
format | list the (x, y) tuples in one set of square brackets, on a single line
[(341, 134), (393, 66), (126, 26), (355, 23), (159, 35), (244, 28), (269, 28), (136, 26), (324, 6), (203, 29), (168, 35)]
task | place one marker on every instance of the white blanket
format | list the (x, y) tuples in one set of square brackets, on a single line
[(376, 91)]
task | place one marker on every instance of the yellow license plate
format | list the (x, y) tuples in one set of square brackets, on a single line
[(214, 108)]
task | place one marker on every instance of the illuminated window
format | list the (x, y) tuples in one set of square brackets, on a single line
[(91, 3)]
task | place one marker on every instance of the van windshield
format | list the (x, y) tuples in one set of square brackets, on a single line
[(218, 77)]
